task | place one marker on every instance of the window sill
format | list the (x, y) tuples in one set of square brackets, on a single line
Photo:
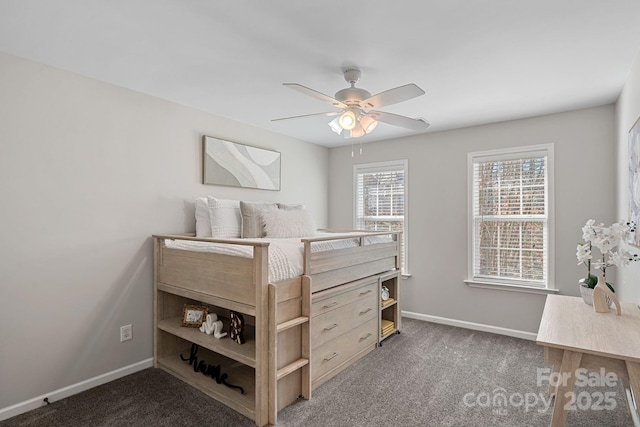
[(511, 288)]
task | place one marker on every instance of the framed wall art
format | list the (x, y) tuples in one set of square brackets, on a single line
[(238, 165), (634, 179)]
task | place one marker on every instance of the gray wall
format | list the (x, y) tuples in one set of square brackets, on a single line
[(584, 188), (88, 171), (627, 112)]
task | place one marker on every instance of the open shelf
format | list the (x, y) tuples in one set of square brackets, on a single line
[(243, 353), (390, 310), (238, 374)]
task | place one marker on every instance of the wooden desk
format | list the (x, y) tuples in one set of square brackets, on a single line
[(575, 336)]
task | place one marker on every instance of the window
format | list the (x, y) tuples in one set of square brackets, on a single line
[(381, 200), (510, 216)]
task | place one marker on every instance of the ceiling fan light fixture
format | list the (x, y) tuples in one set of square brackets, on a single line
[(347, 120), (357, 131), (358, 113), (335, 125), (368, 123)]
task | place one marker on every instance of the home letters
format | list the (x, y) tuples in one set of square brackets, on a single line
[(213, 371)]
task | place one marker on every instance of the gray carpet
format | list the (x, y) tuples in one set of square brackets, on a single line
[(430, 375)]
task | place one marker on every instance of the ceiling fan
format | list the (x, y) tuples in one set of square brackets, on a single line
[(357, 116)]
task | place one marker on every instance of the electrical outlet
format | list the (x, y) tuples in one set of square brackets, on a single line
[(126, 333)]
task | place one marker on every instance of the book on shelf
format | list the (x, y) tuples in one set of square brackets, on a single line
[(387, 326), (387, 302)]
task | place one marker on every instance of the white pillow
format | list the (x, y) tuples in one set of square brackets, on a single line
[(282, 223), (224, 215), (203, 224), (252, 223)]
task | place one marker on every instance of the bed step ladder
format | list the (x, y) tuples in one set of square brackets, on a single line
[(290, 301)]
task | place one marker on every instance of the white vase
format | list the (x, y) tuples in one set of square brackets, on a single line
[(586, 293)]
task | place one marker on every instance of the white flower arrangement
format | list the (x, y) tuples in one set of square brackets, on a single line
[(606, 239)]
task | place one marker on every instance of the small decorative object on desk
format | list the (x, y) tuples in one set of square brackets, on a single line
[(586, 292), (236, 330), (606, 239), (600, 294)]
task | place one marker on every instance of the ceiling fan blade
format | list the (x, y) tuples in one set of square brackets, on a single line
[(328, 114), (397, 120), (392, 96), (315, 94)]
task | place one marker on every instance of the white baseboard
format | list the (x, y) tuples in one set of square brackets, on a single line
[(36, 402), (470, 325)]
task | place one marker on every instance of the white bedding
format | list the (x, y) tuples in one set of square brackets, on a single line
[(285, 255)]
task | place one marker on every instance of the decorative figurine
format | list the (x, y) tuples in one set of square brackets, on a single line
[(213, 326), (237, 327), (599, 301)]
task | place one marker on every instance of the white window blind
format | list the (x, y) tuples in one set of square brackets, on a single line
[(381, 200), (510, 217)]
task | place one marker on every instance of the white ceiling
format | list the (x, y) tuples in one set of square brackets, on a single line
[(479, 61)]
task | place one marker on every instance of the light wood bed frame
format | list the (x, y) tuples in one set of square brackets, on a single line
[(279, 312)]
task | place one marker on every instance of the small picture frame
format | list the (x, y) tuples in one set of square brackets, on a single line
[(194, 315)]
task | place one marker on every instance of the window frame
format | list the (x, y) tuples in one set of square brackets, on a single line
[(514, 153), (382, 167)]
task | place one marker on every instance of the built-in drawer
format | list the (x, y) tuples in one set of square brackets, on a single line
[(339, 350), (334, 323), (334, 298)]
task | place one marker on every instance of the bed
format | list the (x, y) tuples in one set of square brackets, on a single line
[(240, 275)]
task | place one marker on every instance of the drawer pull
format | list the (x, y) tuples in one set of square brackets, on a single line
[(330, 305), (328, 328), (366, 310), (366, 292), (365, 337), (331, 357)]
